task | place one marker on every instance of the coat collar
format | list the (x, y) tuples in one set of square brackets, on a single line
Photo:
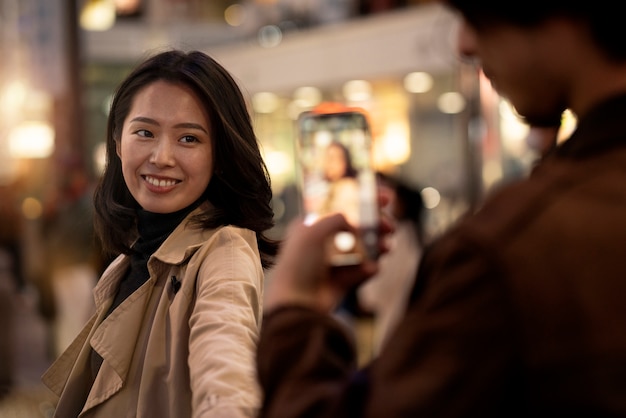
[(184, 240), (179, 246)]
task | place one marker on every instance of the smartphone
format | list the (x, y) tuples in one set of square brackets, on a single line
[(336, 174)]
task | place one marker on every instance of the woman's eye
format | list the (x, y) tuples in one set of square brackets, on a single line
[(144, 133), (189, 139)]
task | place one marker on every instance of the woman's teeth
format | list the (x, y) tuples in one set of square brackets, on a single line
[(160, 183)]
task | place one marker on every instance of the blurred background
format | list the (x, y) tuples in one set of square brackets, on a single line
[(437, 125)]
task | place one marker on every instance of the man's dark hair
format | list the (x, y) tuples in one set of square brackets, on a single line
[(603, 17)]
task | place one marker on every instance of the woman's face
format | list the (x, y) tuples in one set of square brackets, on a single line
[(335, 164), (166, 148)]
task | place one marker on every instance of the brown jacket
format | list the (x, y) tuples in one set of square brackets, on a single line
[(519, 310), (188, 353)]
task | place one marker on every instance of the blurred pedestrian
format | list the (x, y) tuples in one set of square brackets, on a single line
[(72, 257), (185, 199), (11, 229), (387, 293), (8, 293), (12, 282), (518, 309)]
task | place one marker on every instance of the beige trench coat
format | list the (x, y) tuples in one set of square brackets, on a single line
[(179, 354)]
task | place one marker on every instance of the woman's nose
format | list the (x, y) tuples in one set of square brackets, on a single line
[(162, 153)]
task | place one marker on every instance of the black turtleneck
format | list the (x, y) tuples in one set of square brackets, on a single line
[(153, 229)]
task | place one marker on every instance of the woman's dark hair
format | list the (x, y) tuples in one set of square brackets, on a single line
[(239, 190), (603, 17)]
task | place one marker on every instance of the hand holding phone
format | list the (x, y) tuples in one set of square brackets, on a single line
[(334, 151)]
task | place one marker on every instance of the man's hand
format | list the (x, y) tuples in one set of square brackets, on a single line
[(303, 274)]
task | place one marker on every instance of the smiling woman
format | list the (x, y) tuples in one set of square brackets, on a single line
[(181, 304), (166, 149)]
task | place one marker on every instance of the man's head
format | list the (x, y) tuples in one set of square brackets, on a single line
[(541, 54), (603, 17)]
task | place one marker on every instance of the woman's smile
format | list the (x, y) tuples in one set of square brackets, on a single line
[(153, 181)]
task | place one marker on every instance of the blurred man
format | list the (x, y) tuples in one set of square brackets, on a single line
[(518, 310)]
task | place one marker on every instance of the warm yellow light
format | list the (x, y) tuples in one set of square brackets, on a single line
[(451, 102), (308, 96), (568, 125), (100, 157), (357, 90), (322, 138), (13, 96), (98, 15), (396, 143), (393, 147), (32, 208), (418, 82), (278, 163), (513, 130), (265, 102), (31, 139), (235, 14)]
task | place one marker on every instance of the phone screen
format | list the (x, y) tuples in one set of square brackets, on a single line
[(334, 153)]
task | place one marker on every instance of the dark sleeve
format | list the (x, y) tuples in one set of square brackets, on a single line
[(451, 356), (306, 364)]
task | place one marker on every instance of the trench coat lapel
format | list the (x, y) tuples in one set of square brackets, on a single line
[(115, 340), (59, 373)]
